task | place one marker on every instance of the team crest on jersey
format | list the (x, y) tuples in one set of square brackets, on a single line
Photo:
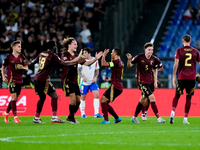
[(64, 58), (20, 60), (151, 62)]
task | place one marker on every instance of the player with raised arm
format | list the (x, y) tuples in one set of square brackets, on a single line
[(47, 60), (185, 62), (88, 82), (146, 81), (70, 75), (15, 65), (116, 88)]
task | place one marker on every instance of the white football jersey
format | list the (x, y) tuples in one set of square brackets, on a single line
[(88, 71)]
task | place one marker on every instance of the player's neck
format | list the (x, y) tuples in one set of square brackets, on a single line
[(116, 57), (186, 44), (16, 54), (71, 52)]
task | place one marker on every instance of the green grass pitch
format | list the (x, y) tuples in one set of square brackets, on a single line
[(89, 135)]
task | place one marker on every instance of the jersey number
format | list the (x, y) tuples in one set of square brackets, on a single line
[(41, 63), (188, 58)]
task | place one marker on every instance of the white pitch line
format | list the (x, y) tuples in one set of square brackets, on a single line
[(13, 139)]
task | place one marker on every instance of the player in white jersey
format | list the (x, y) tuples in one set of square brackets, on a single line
[(88, 82)]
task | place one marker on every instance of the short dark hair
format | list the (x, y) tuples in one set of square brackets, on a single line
[(89, 50), (117, 51), (15, 42), (50, 44), (187, 38), (148, 44)]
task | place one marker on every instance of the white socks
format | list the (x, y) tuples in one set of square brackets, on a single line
[(96, 105), (82, 107)]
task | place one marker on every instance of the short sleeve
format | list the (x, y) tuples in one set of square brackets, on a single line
[(5, 61), (56, 58), (135, 59)]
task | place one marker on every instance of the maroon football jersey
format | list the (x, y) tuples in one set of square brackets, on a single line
[(188, 56), (144, 68), (46, 59), (70, 74), (117, 74), (11, 62)]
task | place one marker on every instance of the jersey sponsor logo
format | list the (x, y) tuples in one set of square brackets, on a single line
[(142, 61), (12, 61), (21, 103)]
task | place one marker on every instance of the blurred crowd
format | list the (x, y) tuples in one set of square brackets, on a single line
[(35, 22)]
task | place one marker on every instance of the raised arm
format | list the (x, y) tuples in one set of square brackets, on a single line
[(129, 56), (97, 56), (103, 61)]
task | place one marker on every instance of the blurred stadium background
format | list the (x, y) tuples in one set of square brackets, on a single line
[(127, 24)]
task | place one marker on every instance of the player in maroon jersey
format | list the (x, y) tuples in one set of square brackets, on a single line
[(116, 88), (145, 79), (15, 66), (46, 60), (70, 75), (185, 62)]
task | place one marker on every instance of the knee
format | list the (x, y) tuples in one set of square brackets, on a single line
[(42, 97)]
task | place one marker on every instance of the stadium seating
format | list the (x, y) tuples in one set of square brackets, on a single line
[(177, 29)]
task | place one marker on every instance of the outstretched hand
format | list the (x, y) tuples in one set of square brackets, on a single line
[(80, 54), (97, 56), (106, 51)]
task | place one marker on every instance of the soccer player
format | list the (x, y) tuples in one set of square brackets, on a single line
[(116, 88), (47, 59), (185, 62), (70, 75), (146, 62), (88, 82), (145, 108), (15, 65)]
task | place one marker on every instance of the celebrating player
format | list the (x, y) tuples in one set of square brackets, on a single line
[(185, 62), (145, 64), (47, 59), (88, 82), (70, 75), (15, 65), (116, 88)]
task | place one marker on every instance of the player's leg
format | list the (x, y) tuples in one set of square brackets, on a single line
[(41, 88), (114, 94), (72, 107), (104, 106), (189, 93), (138, 109), (82, 106), (179, 91), (15, 89), (155, 108), (95, 90), (144, 110), (84, 91), (54, 104)]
